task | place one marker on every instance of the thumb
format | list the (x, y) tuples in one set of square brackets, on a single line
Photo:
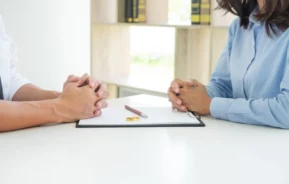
[(71, 79), (192, 82), (74, 79)]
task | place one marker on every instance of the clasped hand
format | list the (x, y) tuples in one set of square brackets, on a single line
[(83, 97), (189, 96)]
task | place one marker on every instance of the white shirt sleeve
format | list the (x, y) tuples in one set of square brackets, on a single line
[(12, 81), (16, 80)]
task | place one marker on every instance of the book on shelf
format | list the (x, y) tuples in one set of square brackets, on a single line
[(196, 10), (142, 11), (205, 12), (135, 9), (201, 12), (158, 12), (129, 11)]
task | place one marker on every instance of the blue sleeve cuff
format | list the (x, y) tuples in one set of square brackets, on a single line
[(210, 91), (219, 107)]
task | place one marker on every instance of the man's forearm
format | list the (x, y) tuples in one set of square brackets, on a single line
[(19, 115), (29, 92)]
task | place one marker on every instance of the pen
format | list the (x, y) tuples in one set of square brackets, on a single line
[(135, 111), (191, 112), (195, 114)]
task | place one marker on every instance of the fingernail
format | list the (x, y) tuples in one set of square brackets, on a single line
[(99, 105), (179, 102)]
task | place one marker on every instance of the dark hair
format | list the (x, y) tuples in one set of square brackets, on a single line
[(274, 12)]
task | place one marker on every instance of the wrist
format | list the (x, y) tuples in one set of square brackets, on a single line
[(46, 95), (56, 94), (209, 107), (60, 110)]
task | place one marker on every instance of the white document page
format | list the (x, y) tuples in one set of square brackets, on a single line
[(156, 116)]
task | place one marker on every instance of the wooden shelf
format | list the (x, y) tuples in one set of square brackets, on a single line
[(165, 25), (197, 47)]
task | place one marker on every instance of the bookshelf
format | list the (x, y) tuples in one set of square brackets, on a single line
[(197, 47), (159, 25)]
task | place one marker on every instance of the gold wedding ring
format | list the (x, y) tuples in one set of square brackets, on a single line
[(132, 119)]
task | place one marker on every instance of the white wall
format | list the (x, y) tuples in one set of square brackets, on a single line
[(219, 19), (53, 38)]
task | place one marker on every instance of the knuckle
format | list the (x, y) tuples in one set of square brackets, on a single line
[(175, 99), (91, 108), (91, 78), (175, 105), (172, 82), (103, 85), (98, 113), (178, 81), (171, 95), (100, 102), (85, 75), (70, 77), (96, 98), (108, 94)]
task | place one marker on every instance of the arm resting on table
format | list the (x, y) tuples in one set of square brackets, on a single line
[(29, 92), (19, 115), (271, 112)]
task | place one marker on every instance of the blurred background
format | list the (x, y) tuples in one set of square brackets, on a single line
[(56, 38)]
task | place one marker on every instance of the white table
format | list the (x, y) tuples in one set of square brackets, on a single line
[(221, 153)]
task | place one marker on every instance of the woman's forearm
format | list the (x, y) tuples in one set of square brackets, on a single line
[(264, 111)]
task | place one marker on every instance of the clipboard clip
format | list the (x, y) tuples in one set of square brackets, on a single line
[(194, 115), (191, 114)]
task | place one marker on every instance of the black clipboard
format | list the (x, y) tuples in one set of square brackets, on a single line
[(201, 124)]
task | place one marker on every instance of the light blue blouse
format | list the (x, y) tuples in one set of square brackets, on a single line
[(251, 81)]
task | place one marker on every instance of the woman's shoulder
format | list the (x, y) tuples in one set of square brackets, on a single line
[(235, 24)]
